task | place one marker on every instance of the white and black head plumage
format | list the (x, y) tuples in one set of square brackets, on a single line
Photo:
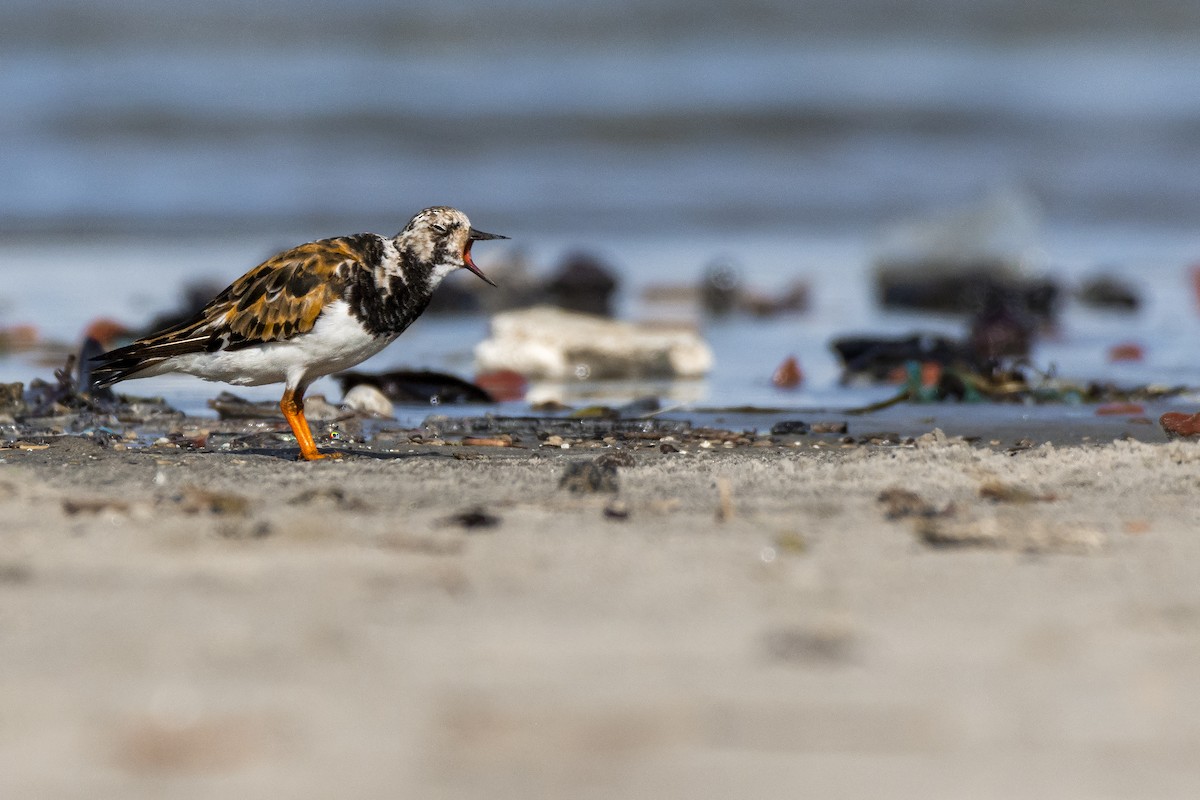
[(440, 238)]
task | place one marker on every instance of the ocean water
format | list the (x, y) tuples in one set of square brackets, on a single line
[(145, 144)]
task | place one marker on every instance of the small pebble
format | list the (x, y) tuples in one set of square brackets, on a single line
[(474, 519), (617, 509), (792, 427)]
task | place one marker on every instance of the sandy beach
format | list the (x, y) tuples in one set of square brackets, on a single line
[(937, 619), (857, 488)]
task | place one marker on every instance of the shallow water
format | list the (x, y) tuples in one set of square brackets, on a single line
[(147, 144), (49, 287)]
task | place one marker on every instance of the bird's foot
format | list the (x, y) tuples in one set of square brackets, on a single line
[(317, 456)]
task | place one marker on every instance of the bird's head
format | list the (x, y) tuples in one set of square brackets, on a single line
[(442, 237)]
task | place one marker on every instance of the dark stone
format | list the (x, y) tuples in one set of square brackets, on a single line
[(475, 519), (583, 283), (878, 357), (616, 510), (417, 386), (721, 288), (12, 398), (616, 458), (1107, 292), (1003, 326), (193, 299), (960, 288), (789, 427)]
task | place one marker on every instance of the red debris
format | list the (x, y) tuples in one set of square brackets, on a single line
[(1118, 409), (1178, 425), (1126, 351), (931, 374), (788, 374), (503, 384), (17, 338), (106, 331)]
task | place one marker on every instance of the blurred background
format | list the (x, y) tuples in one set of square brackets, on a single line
[(146, 143)]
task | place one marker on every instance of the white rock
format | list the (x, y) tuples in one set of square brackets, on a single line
[(546, 343), (368, 401)]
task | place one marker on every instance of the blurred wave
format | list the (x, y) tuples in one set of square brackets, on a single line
[(146, 116)]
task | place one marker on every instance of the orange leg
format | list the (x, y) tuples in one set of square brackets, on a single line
[(292, 406)]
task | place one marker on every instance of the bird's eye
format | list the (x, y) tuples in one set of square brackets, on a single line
[(440, 230)]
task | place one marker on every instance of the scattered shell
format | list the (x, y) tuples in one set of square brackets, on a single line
[(26, 446), (1000, 492), (488, 441), (368, 401)]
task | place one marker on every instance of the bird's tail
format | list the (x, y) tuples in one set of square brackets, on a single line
[(116, 365)]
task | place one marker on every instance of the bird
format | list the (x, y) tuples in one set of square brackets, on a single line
[(310, 311)]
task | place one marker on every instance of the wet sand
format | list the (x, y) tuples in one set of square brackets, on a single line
[(742, 622)]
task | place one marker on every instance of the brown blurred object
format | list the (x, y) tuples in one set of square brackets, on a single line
[(788, 375), (503, 384), (107, 332), (793, 300), (1120, 409), (1126, 351), (18, 338), (1177, 425)]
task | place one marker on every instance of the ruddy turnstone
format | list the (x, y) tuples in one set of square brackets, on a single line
[(313, 310)]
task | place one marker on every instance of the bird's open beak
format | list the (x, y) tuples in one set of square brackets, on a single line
[(472, 237)]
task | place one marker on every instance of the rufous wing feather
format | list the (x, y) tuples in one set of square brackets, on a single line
[(278, 299)]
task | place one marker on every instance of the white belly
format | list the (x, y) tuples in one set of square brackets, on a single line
[(335, 343)]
